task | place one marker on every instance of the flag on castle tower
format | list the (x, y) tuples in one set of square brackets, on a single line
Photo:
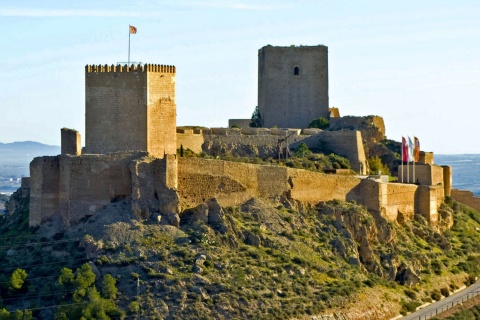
[(410, 149), (416, 149), (133, 30), (404, 150)]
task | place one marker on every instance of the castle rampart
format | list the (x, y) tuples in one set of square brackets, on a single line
[(232, 183), (264, 142), (72, 187), (466, 197)]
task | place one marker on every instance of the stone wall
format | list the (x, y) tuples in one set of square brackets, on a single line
[(262, 142), (161, 113), (466, 197), (425, 174), (292, 85), (71, 142), (130, 108), (72, 187), (190, 139), (241, 123), (371, 127), (426, 157), (347, 144), (44, 189), (232, 183)]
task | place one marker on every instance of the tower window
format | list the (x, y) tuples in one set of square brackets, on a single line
[(296, 71)]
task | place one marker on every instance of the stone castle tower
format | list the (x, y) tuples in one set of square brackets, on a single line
[(292, 85), (130, 108)]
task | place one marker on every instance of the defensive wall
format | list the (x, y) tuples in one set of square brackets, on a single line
[(233, 183), (72, 187), (466, 197), (130, 108), (264, 142), (371, 127)]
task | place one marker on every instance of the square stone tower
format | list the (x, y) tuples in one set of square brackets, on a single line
[(292, 85), (130, 108)]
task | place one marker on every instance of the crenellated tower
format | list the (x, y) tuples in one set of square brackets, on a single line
[(130, 108)]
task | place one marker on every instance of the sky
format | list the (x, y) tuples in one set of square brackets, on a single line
[(415, 63)]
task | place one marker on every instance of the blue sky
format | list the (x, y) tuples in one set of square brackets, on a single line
[(416, 63)]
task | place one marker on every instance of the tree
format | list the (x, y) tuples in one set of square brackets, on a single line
[(302, 150), (257, 121), (320, 123), (109, 289), (18, 279)]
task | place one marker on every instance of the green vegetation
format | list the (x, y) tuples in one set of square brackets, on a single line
[(320, 123), (377, 166), (470, 314), (257, 120), (261, 260)]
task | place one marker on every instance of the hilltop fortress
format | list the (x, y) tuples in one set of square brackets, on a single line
[(132, 141)]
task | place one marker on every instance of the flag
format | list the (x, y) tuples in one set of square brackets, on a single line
[(416, 150), (410, 149), (133, 30), (404, 150)]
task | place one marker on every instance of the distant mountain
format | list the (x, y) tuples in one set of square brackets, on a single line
[(22, 148), (15, 160)]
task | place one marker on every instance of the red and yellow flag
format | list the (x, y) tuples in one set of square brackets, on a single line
[(133, 30), (416, 149)]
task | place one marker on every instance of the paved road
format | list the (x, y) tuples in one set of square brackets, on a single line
[(445, 304)]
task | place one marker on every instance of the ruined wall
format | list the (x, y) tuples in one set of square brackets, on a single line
[(71, 142), (90, 182), (261, 142), (234, 182), (44, 189), (372, 127), (241, 123), (72, 187), (292, 85), (466, 197), (153, 186), (130, 108), (348, 144)]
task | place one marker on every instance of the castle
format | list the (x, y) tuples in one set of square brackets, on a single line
[(132, 138)]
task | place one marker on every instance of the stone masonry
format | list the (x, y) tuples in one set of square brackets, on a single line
[(130, 108), (292, 85)]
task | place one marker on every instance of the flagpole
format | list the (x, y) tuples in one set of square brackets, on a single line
[(401, 162), (128, 63)]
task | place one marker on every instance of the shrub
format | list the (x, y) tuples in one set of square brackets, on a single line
[(436, 295), (320, 123)]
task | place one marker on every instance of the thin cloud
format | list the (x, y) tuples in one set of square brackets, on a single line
[(236, 5), (45, 13)]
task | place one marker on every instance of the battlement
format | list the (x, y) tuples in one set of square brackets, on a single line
[(93, 68)]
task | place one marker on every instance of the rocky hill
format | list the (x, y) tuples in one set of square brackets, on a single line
[(258, 260)]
